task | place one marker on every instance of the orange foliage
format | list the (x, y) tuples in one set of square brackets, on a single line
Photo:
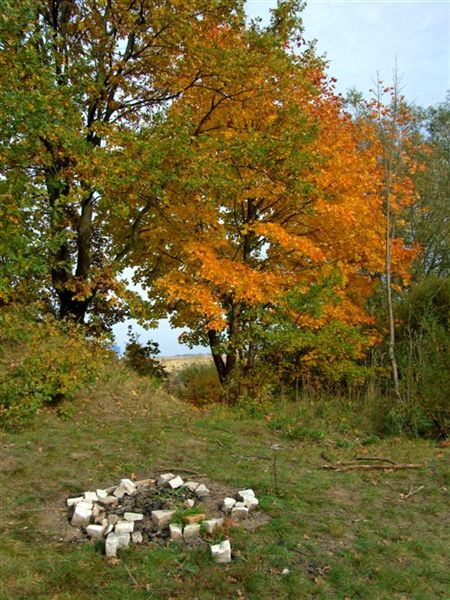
[(287, 193)]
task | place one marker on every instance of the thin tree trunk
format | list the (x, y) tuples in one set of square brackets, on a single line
[(392, 356), (390, 141)]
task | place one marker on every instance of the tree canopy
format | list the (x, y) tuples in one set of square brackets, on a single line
[(212, 156)]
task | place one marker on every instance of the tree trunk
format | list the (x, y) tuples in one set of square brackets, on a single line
[(226, 367), (392, 356), (217, 357)]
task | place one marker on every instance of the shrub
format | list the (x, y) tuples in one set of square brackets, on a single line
[(42, 361), (198, 384), (423, 351), (142, 358)]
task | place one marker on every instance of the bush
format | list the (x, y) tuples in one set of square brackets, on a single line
[(42, 361), (198, 384), (142, 359), (423, 351)]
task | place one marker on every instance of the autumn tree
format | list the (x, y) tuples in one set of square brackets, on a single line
[(78, 77), (394, 133), (275, 194)]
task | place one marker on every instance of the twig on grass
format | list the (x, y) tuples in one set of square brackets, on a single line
[(325, 457), (411, 492), (376, 458), (354, 467), (259, 457), (131, 576)]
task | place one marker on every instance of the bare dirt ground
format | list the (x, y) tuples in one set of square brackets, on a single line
[(173, 364)]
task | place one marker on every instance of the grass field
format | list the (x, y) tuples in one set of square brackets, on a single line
[(342, 535)]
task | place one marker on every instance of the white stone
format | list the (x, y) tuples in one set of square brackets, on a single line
[(111, 545), (176, 532), (113, 519), (285, 572), (189, 503), (110, 501), (126, 486), (74, 501), (175, 483), (95, 531), (84, 504), (136, 537), (239, 504), (124, 527), (130, 516), (164, 479), (108, 529), (202, 491), (211, 525), (98, 512), (191, 485), (191, 532), (228, 504), (114, 542), (90, 497), (161, 518), (124, 539), (81, 516), (243, 493), (221, 552), (251, 502), (101, 493), (239, 513)]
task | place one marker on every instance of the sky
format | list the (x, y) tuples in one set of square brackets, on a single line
[(359, 38)]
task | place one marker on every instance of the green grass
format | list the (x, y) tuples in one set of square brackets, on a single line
[(341, 535)]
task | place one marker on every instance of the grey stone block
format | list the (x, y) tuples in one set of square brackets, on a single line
[(95, 532), (90, 497), (124, 527), (136, 537), (162, 518), (191, 532), (163, 480), (191, 485), (202, 491), (228, 504), (74, 501), (81, 516), (131, 516), (211, 525), (175, 483), (176, 532), (221, 552), (239, 513)]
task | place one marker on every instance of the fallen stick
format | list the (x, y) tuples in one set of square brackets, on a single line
[(131, 576), (376, 458), (411, 492), (394, 467)]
